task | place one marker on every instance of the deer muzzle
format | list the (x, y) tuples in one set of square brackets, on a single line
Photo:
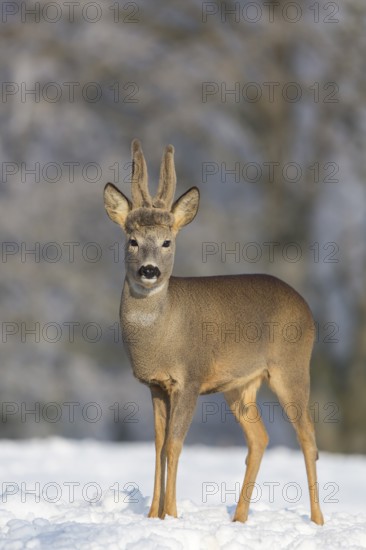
[(149, 271)]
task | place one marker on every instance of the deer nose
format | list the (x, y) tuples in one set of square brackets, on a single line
[(149, 271)]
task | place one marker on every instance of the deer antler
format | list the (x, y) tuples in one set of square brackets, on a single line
[(167, 180), (139, 188)]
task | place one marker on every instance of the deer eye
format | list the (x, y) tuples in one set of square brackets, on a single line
[(166, 244), (133, 242)]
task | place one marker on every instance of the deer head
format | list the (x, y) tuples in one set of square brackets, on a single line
[(151, 224)]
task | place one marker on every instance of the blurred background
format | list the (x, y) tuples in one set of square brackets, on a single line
[(265, 105)]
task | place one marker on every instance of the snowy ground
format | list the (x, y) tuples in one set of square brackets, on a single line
[(65, 494)]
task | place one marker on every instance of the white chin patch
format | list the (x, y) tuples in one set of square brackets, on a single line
[(149, 281), (147, 289)]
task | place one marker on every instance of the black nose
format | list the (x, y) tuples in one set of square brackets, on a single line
[(149, 271)]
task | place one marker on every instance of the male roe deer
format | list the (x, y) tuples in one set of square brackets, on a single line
[(178, 351)]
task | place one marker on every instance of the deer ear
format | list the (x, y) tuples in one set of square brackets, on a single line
[(117, 205), (185, 208)]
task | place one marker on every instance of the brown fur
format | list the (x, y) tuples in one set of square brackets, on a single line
[(148, 216)]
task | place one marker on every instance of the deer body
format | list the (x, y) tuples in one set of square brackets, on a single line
[(234, 327), (197, 335)]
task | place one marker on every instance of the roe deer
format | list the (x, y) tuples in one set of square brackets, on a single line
[(178, 349)]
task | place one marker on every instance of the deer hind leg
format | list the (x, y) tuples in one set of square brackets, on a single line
[(292, 387), (243, 405), (161, 414)]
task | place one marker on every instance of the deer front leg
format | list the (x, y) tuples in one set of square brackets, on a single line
[(182, 405), (161, 413)]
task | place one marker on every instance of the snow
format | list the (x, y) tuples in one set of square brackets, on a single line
[(64, 494)]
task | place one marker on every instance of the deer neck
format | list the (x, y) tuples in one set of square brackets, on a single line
[(144, 308)]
